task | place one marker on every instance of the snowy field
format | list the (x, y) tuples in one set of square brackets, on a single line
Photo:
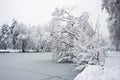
[(33, 66)]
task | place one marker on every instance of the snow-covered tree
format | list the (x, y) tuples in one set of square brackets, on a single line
[(73, 36), (36, 37), (22, 36), (58, 23), (113, 8), (14, 33), (5, 35)]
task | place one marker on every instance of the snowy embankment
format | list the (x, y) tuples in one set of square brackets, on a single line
[(91, 72), (110, 71), (16, 51), (9, 51)]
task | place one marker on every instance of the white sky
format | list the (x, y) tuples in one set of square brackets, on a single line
[(38, 12)]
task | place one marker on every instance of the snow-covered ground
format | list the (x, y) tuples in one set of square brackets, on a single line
[(112, 66), (110, 71), (33, 66)]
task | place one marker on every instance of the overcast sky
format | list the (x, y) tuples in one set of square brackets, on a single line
[(38, 12)]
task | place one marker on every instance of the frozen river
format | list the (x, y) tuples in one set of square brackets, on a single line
[(33, 66)]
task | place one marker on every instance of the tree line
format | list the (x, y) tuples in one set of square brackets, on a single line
[(22, 37)]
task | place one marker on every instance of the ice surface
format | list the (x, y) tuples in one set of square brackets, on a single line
[(33, 66)]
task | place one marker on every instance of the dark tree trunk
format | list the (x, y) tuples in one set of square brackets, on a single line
[(37, 50), (23, 45), (14, 42), (5, 46), (117, 47)]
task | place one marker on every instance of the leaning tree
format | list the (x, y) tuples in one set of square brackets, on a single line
[(72, 36)]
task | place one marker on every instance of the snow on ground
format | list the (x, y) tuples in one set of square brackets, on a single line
[(33, 66), (110, 71), (91, 72), (112, 66)]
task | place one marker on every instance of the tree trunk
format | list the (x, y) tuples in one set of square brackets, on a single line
[(14, 43), (23, 45), (117, 46), (5, 46)]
